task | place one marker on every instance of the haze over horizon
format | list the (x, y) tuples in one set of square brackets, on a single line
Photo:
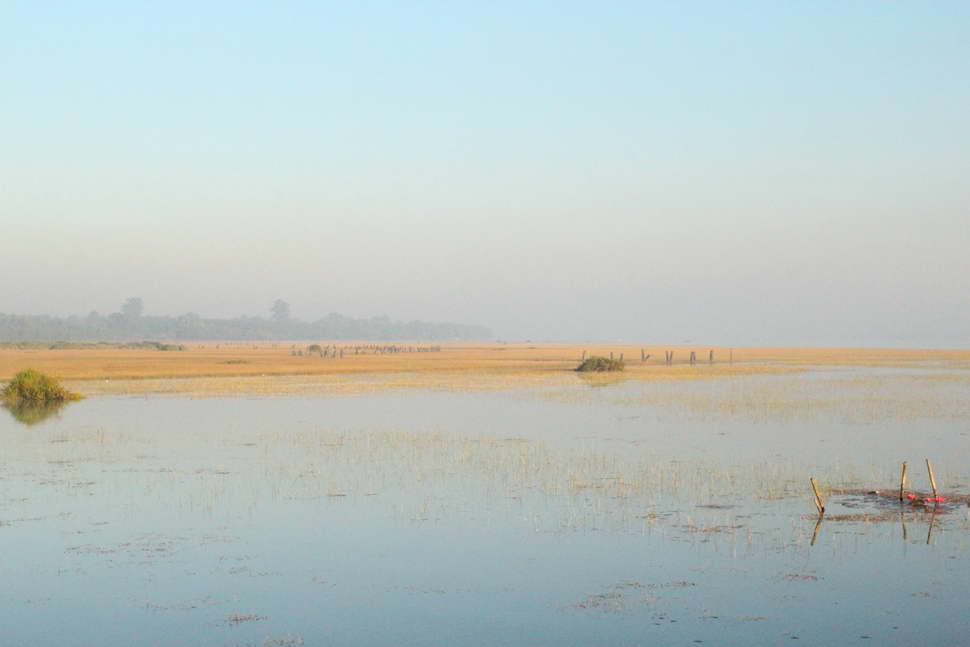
[(726, 173)]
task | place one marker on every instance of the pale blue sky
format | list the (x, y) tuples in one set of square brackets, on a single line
[(725, 172)]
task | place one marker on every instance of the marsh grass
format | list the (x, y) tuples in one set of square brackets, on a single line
[(512, 361), (418, 477), (425, 477)]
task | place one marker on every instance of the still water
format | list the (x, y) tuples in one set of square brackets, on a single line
[(621, 514)]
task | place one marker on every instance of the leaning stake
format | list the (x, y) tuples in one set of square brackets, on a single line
[(929, 468), (818, 498)]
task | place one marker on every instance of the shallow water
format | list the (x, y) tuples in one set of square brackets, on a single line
[(625, 514)]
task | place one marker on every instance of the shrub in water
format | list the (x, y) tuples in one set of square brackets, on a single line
[(33, 387), (596, 364)]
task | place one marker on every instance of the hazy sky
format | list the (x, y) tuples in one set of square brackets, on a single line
[(722, 172)]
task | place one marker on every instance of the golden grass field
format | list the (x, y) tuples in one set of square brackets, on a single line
[(221, 367)]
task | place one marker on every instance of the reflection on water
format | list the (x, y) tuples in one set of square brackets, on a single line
[(575, 517), (601, 379), (29, 413)]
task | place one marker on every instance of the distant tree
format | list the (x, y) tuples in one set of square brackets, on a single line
[(280, 310), (132, 308), (187, 325), (131, 323)]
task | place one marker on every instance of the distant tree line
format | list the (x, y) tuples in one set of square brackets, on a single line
[(130, 323)]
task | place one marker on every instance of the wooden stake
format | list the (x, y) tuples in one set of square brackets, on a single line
[(902, 482), (818, 498), (929, 468)]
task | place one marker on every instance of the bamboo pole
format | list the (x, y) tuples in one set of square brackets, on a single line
[(818, 498), (902, 482), (929, 468)]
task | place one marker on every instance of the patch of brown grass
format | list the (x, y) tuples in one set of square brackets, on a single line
[(470, 366)]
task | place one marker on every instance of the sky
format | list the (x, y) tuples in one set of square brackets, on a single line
[(651, 172)]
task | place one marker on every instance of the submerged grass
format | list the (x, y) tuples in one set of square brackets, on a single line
[(845, 399)]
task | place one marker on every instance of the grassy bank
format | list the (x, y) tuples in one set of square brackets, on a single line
[(221, 367)]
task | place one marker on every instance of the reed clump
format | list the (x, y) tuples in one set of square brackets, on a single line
[(30, 387), (597, 364)]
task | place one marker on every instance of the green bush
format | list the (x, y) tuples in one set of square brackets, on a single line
[(597, 364), (33, 387)]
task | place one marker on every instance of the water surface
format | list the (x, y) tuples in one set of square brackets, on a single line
[(628, 514)]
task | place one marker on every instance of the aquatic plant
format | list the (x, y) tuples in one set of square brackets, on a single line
[(597, 364), (34, 388)]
